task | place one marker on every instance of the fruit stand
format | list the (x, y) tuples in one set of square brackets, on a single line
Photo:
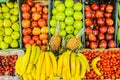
[(59, 39)]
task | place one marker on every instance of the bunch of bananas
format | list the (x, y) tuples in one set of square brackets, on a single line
[(72, 66), (36, 65)]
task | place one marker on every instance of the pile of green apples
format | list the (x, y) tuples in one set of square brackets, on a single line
[(69, 13), (9, 25)]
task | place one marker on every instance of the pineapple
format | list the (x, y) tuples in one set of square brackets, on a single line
[(75, 41), (56, 39)]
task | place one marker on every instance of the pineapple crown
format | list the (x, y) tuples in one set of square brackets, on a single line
[(81, 32), (57, 28)]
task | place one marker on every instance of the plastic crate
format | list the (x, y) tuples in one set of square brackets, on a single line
[(114, 14), (4, 0)]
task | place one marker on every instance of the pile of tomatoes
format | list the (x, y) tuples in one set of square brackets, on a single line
[(109, 64), (34, 24)]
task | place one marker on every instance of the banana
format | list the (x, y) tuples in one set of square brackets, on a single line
[(72, 64), (26, 59), (25, 77), (64, 76), (37, 54), (29, 76), (77, 69), (54, 62), (18, 64), (119, 34), (33, 54), (83, 68), (29, 68), (33, 72), (39, 65), (94, 62), (60, 65), (66, 62), (43, 72), (85, 60), (47, 63)]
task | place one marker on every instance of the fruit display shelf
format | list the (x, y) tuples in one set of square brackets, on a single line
[(103, 24), (10, 30)]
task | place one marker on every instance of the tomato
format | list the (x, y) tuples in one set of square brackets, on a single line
[(31, 42), (45, 16), (43, 36), (38, 42), (36, 16), (34, 24), (35, 38), (44, 29), (25, 7), (36, 31), (42, 22), (45, 9), (45, 41), (38, 4), (26, 39), (26, 15), (26, 31), (30, 2), (25, 23)]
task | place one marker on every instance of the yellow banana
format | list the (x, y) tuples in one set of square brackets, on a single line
[(77, 69), (37, 54), (60, 65), (54, 62), (26, 59), (94, 62), (29, 76), (39, 65), (43, 72), (18, 65), (47, 63), (85, 60), (29, 68), (51, 73), (83, 68), (64, 76), (24, 77), (72, 64), (33, 54), (33, 72)]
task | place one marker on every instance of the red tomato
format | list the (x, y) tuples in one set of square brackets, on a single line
[(42, 22), (38, 42), (43, 36), (25, 7), (45, 16), (26, 15), (35, 38), (26, 39), (34, 24), (31, 42)]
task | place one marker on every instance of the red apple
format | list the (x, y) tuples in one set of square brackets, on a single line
[(45, 16), (103, 29), (109, 21), (101, 36), (31, 42), (101, 21), (26, 15), (26, 31), (33, 9), (109, 8), (93, 45), (107, 14), (88, 30), (25, 23), (45, 9), (38, 4), (87, 7), (34, 24), (102, 7), (95, 32), (99, 14), (111, 44), (88, 14), (92, 37), (25, 8), (92, 14), (40, 9), (26, 39), (109, 36), (36, 16), (103, 44), (110, 30), (30, 2), (42, 22), (88, 22), (95, 6), (35, 37)]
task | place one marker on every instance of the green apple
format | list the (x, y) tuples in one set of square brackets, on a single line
[(1, 38), (78, 15), (76, 31), (8, 31), (7, 23), (15, 5), (69, 11), (1, 15), (77, 6), (60, 16), (69, 20), (78, 25), (15, 35), (9, 4), (8, 39), (62, 25), (6, 15), (56, 3), (52, 30), (69, 36), (14, 44), (3, 45), (60, 7), (69, 3), (5, 8), (13, 18), (54, 17), (1, 22), (54, 11), (0, 9), (62, 33), (69, 29), (15, 26), (53, 23), (2, 31), (14, 11)]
